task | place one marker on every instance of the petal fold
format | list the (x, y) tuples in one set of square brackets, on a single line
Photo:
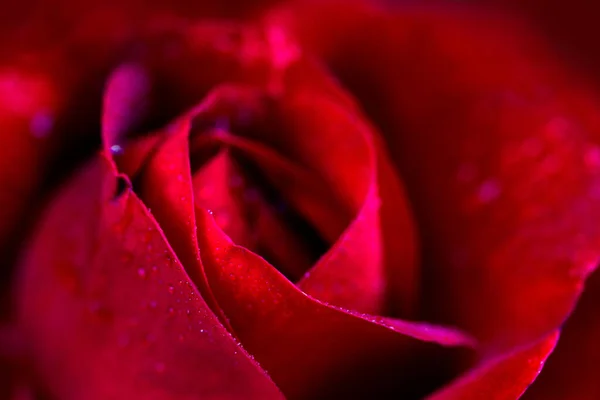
[(313, 349), (109, 311)]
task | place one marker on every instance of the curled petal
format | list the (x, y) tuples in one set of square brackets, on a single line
[(488, 132), (502, 378), (310, 348), (109, 311), (569, 372), (373, 260), (328, 177)]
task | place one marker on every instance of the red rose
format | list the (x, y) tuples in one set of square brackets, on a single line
[(242, 230)]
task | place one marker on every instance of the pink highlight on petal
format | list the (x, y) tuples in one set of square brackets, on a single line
[(41, 124), (23, 94), (125, 101), (283, 50), (488, 191)]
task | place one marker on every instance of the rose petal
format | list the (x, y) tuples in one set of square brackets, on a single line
[(214, 191), (165, 187), (67, 49), (489, 135), (371, 257), (165, 180), (161, 162), (302, 188), (247, 217), (109, 311), (352, 274), (311, 349), (570, 370), (502, 378)]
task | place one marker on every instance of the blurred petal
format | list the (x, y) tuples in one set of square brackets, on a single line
[(571, 30), (489, 135), (28, 102)]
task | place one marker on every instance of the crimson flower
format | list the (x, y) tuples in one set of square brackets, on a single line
[(294, 200)]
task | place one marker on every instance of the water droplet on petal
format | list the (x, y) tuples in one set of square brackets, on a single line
[(141, 273), (116, 149), (488, 191), (41, 124)]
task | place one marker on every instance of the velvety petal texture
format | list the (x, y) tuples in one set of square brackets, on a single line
[(110, 312), (571, 33), (134, 209), (330, 200)]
